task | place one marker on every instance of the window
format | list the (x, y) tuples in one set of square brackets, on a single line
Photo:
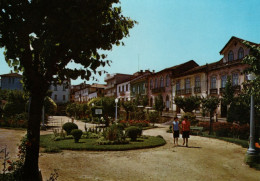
[(9, 80), (235, 79), (187, 83), (55, 97), (197, 81), (151, 84), (161, 82), (13, 80), (155, 83), (240, 53), (143, 86), (55, 87), (133, 88), (178, 85), (223, 81), (138, 89), (119, 88), (230, 56), (126, 88), (167, 80), (64, 87), (64, 97), (123, 88), (213, 82)]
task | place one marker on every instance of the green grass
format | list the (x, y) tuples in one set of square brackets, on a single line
[(47, 142)]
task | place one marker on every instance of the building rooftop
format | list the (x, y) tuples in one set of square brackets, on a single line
[(11, 75)]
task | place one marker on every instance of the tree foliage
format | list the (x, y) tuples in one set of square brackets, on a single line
[(50, 106), (228, 95), (159, 105), (188, 104), (210, 105), (41, 37), (253, 86)]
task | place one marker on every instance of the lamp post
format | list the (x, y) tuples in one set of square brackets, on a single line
[(251, 150), (116, 101)]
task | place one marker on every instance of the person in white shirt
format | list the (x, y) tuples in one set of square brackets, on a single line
[(175, 130)]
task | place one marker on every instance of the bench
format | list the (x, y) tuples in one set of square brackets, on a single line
[(197, 130)]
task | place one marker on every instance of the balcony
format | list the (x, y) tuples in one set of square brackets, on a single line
[(122, 93), (197, 90), (221, 90), (178, 92), (213, 91), (158, 90), (236, 88), (188, 91)]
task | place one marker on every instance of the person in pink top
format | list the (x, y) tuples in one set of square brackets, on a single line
[(185, 126)]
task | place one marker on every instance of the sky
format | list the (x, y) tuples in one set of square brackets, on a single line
[(171, 32)]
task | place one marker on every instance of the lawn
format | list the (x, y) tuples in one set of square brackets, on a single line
[(47, 142)]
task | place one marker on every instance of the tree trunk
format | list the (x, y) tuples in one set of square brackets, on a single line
[(210, 123), (31, 168)]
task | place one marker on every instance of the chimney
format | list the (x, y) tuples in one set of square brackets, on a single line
[(153, 71)]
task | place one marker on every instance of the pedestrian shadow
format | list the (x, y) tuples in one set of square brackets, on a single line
[(189, 146)]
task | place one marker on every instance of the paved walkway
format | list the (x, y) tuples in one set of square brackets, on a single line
[(205, 159)]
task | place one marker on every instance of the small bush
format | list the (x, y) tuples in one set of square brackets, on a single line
[(222, 129), (120, 126), (76, 133), (68, 127), (205, 125), (133, 132), (113, 133)]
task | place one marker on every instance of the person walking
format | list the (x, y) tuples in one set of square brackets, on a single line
[(185, 130), (175, 130)]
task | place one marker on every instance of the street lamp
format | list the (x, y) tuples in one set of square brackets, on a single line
[(116, 101), (251, 150)]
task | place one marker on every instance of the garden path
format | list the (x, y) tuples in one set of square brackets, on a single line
[(205, 159)]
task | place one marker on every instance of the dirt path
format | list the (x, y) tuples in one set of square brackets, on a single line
[(205, 159)]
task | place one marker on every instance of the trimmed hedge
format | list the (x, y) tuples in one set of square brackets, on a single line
[(68, 127)]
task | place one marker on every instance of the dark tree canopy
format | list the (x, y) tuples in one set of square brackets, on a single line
[(41, 37), (188, 104)]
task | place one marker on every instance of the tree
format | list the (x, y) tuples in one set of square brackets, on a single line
[(41, 37), (210, 104), (129, 107), (188, 104), (228, 95), (50, 106), (153, 117), (108, 107), (253, 86), (159, 105)]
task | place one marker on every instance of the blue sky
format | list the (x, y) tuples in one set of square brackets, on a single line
[(171, 32)]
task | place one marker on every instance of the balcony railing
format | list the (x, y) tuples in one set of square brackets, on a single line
[(178, 92), (188, 91), (122, 93), (236, 87), (158, 90), (197, 90), (221, 90), (213, 91)]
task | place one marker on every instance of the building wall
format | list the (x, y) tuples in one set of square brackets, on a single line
[(11, 83), (165, 91), (123, 91), (60, 93), (194, 91)]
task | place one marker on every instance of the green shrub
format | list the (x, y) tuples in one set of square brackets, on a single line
[(76, 133), (153, 117), (113, 133), (133, 132), (68, 127), (121, 126)]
